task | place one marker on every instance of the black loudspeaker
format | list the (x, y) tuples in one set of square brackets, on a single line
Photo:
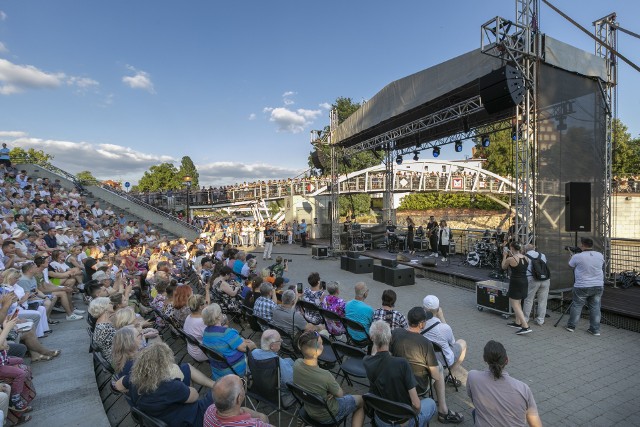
[(399, 276), (360, 265), (389, 262), (352, 254), (501, 89), (344, 263), (577, 211), (429, 262), (319, 251), (316, 160)]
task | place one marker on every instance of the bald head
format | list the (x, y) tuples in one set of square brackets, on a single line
[(361, 291), (226, 392)]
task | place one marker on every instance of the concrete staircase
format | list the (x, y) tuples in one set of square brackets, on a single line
[(134, 209)]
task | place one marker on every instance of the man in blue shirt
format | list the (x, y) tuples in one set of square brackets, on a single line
[(358, 311), (302, 228), (4, 155), (270, 344)]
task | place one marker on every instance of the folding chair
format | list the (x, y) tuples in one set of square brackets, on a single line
[(265, 375), (352, 326), (145, 420), (450, 375), (302, 396), (307, 307), (217, 357), (389, 411), (334, 318), (327, 360), (294, 351), (247, 313), (350, 360), (423, 377)]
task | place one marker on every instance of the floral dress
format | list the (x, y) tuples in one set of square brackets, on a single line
[(335, 304)]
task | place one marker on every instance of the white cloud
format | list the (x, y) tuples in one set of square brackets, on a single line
[(139, 80), (3, 48), (288, 93), (286, 97), (82, 82), (267, 109), (16, 78), (292, 121), (252, 116), (3, 16), (12, 134), (325, 105), (223, 173)]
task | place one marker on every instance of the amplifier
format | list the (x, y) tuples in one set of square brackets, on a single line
[(492, 295), (389, 262), (319, 251)]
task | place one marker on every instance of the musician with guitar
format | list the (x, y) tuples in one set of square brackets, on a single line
[(432, 234)]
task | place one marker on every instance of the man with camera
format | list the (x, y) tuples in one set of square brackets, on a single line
[(588, 284)]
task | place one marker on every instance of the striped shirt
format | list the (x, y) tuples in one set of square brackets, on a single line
[(225, 341), (212, 419)]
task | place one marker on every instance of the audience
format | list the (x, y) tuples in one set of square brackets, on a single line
[(334, 303), (386, 313), (287, 318), (358, 311), (228, 396), (101, 310), (270, 344), (313, 294), (194, 326), (267, 302)]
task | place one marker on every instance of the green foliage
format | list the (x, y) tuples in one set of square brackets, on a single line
[(20, 155), (275, 206), (499, 154), (426, 201), (160, 177), (354, 204), (626, 151), (86, 177), (187, 168)]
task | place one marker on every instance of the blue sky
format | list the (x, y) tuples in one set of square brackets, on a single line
[(117, 86)]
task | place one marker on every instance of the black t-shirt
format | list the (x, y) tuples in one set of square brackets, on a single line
[(415, 348), (268, 235), (389, 377), (391, 228)]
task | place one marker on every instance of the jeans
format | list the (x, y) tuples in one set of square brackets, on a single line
[(539, 288), (591, 296), (427, 411)]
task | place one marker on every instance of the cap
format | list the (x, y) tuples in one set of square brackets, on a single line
[(58, 227), (100, 276), (431, 302), (17, 232)]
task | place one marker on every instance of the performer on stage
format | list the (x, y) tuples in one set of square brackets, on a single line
[(444, 236), (347, 224), (432, 233), (410, 233), (389, 232)]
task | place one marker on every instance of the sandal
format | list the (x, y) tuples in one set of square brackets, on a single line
[(54, 322), (22, 420), (453, 381), (54, 353), (450, 417), (41, 358)]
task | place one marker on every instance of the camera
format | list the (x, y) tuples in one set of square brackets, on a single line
[(323, 284), (573, 249)]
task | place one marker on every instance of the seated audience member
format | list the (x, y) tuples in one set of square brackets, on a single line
[(12, 369), (101, 309), (391, 378), (226, 341), (309, 376), (408, 343), (266, 303), (439, 332), (152, 387), (334, 303), (279, 268), (180, 307), (313, 294), (127, 342), (228, 396), (224, 291), (270, 344), (386, 313), (194, 326), (499, 399), (287, 318), (62, 292), (359, 311), (24, 300)]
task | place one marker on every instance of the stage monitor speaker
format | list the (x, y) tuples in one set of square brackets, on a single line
[(577, 211), (360, 265), (344, 263), (429, 262), (501, 89), (352, 254), (389, 262)]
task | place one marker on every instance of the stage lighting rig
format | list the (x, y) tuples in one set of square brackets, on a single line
[(436, 151), (458, 146), (399, 159), (486, 141), (415, 156)]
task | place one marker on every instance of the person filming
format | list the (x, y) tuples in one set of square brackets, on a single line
[(588, 285)]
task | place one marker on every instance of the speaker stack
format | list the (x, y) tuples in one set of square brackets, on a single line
[(394, 276), (357, 265), (577, 212), (501, 89)]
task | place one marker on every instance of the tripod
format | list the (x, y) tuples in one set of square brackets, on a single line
[(555, 325)]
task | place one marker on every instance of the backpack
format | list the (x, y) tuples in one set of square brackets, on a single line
[(539, 268)]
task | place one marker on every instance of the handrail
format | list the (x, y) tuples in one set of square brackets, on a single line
[(56, 170)]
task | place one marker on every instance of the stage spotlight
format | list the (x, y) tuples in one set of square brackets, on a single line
[(458, 146), (415, 156), (485, 141), (436, 151), (399, 159)]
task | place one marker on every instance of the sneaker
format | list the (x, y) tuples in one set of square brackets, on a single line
[(539, 323), (570, 328), (443, 259), (514, 325), (523, 331), (58, 309), (450, 417), (74, 317), (595, 334), (76, 311), (453, 381), (19, 405)]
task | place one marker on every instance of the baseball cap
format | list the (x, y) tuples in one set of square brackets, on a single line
[(431, 302)]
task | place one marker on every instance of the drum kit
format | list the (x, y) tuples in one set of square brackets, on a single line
[(484, 254), (395, 242)]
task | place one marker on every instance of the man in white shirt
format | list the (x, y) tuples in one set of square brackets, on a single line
[(588, 285), (537, 288)]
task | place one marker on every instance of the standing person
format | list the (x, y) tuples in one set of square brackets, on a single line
[(5, 159), (303, 232), (444, 235), (588, 285), (432, 232), (518, 286), (499, 399), (411, 231), (269, 234), (537, 288)]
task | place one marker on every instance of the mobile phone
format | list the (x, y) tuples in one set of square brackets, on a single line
[(15, 314), (299, 287)]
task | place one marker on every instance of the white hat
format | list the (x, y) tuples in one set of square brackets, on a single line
[(431, 302), (100, 276), (17, 232)]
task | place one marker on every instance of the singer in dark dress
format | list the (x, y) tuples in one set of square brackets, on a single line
[(513, 259)]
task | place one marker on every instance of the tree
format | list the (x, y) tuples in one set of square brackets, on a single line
[(86, 177), (20, 155), (499, 153), (187, 168), (354, 204), (164, 176), (626, 151)]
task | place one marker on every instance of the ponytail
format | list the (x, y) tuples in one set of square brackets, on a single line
[(495, 356)]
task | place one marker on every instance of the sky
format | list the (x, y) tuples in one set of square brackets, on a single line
[(117, 86)]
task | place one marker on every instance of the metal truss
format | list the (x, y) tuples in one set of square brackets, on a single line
[(446, 115), (517, 44), (387, 204), (605, 32), (334, 209)]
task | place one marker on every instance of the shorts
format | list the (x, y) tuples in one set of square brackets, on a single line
[(457, 352), (346, 405)]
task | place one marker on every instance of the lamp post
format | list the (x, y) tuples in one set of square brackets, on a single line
[(187, 182)]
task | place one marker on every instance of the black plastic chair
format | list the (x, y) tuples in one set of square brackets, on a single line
[(327, 360), (145, 420), (330, 316), (449, 375), (265, 380), (352, 326), (389, 411), (293, 351), (309, 307), (247, 313), (350, 359), (302, 396), (262, 323), (215, 356)]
